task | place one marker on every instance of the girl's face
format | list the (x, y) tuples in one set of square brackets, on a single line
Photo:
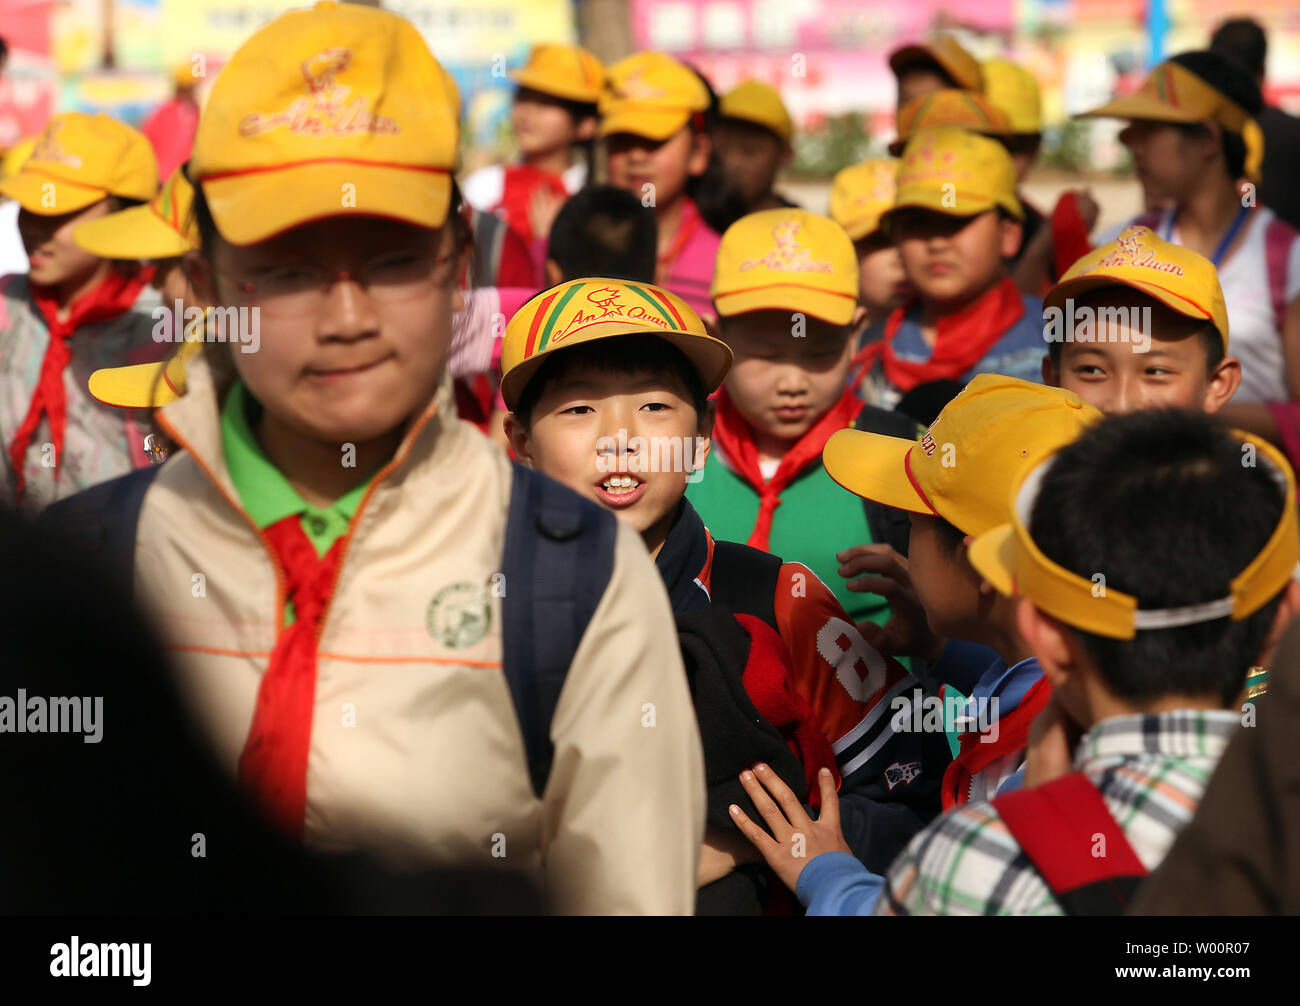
[(656, 171), (55, 258), (882, 283), (1168, 161), (541, 124), (362, 358)]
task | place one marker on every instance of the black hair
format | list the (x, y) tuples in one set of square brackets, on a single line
[(720, 203), (927, 65), (950, 535), (1243, 40), (1168, 506), (1204, 331), (631, 355), (1230, 79), (605, 231)]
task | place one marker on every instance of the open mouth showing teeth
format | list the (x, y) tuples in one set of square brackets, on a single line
[(618, 485)]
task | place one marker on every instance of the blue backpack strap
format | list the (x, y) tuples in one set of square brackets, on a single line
[(558, 559), (103, 521)]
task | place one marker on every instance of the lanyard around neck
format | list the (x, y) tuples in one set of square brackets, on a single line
[(1223, 242)]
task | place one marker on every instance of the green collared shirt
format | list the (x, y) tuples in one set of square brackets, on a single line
[(266, 494)]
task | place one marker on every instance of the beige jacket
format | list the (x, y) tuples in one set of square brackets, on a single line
[(416, 752)]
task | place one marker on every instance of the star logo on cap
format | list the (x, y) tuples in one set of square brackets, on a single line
[(49, 149), (788, 255)]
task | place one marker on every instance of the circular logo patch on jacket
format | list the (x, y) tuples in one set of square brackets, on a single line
[(459, 615)]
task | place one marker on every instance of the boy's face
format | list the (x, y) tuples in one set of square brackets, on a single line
[(921, 79), (750, 156), (953, 259), (1167, 160), (946, 584), (627, 442), (1140, 361), (882, 283), (781, 381), (346, 365), (55, 258), (658, 169), (541, 123)]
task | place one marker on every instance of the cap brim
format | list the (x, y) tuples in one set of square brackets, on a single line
[(1072, 288), (142, 386), (710, 357), (137, 233), (654, 125), (964, 205), (901, 59), (992, 554), (1140, 106), (834, 308), (30, 191), (874, 466), (540, 82), (253, 207)]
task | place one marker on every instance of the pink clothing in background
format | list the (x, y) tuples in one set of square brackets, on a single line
[(170, 129), (687, 268)]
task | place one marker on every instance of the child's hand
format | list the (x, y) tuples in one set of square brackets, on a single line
[(798, 837), (907, 633), (543, 208), (1087, 207), (1053, 737)]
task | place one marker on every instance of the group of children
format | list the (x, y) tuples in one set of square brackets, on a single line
[(858, 526)]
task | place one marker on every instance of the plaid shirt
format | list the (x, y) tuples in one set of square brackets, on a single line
[(1151, 771)]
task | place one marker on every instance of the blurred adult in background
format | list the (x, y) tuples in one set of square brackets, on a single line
[(171, 126), (1243, 40)]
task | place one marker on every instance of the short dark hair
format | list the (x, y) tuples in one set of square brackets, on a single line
[(1165, 506), (1208, 336), (1230, 79), (624, 356), (949, 534), (605, 231), (1243, 40)]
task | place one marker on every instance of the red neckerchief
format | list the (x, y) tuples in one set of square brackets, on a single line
[(112, 297), (686, 223), (521, 181), (961, 340), (273, 764), (735, 438), (979, 750), (1069, 234)]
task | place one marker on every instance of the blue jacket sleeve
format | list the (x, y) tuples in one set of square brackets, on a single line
[(962, 664), (835, 883)]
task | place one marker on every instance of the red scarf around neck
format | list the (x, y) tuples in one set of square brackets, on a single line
[(273, 764), (735, 438), (962, 339), (112, 297)]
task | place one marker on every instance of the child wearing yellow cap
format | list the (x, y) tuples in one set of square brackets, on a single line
[(861, 195), (955, 220), (925, 67), (654, 121), (1193, 136), (72, 313), (552, 116), (399, 642), (608, 381), (1140, 323), (1144, 660), (753, 140), (786, 296)]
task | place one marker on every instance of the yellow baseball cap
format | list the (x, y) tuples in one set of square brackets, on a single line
[(162, 228), (585, 310), (862, 193), (961, 468), (955, 172), (650, 94), (322, 103), (145, 385), (1013, 90), (1174, 94), (80, 159), (945, 50), (1181, 279), (756, 102), (786, 260), (949, 107), (1008, 558), (566, 71)]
